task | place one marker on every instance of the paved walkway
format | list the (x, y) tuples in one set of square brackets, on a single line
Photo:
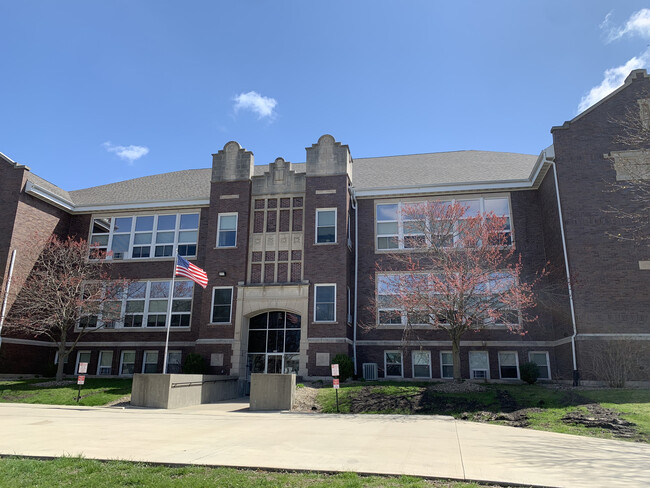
[(228, 434)]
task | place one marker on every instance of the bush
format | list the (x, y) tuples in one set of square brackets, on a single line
[(529, 372), (346, 368), (194, 364), (50, 370)]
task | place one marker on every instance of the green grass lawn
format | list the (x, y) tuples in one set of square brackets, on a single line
[(95, 392), (84, 473), (550, 404)]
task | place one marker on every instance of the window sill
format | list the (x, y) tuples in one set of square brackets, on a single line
[(324, 322), (325, 243), (219, 324), (132, 329), (225, 247)]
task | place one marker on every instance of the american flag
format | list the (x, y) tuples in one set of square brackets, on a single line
[(187, 269)]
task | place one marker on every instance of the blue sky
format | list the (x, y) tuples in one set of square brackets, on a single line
[(96, 92)]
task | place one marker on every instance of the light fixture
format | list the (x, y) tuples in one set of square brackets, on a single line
[(222, 273)]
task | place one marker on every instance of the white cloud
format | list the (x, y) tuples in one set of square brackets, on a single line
[(637, 25), (253, 101), (127, 153), (613, 78)]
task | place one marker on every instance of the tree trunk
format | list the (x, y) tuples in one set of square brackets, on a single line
[(61, 363), (455, 353)]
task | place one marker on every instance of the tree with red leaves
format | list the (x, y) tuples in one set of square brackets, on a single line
[(460, 275), (65, 296)]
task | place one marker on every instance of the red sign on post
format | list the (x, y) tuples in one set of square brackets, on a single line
[(336, 383), (80, 379), (335, 369)]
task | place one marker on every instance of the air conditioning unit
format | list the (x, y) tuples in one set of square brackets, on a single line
[(370, 371)]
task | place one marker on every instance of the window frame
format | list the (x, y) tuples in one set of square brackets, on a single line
[(471, 370), (99, 362), (180, 362), (443, 364), (219, 230), (132, 232), (401, 355), (400, 220), (122, 363), (144, 360), (428, 353), (548, 363), (316, 226), (231, 288), (322, 285), (516, 365)]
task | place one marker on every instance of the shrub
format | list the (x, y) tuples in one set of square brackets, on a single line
[(50, 370), (194, 364), (346, 368), (529, 372)]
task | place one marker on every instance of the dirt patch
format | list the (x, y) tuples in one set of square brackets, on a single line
[(125, 401), (368, 400), (597, 417), (516, 418), (305, 399), (53, 384)]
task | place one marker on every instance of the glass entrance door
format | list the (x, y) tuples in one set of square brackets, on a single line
[(274, 343)]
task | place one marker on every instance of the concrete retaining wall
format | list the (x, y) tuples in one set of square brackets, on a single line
[(181, 390), (272, 391)]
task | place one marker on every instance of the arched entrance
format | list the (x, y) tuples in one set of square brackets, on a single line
[(274, 343)]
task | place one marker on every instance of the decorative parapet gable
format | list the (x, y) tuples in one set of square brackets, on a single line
[(280, 178), (232, 163), (328, 157)]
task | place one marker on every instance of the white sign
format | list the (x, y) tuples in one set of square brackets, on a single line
[(83, 368), (335, 369), (81, 379)]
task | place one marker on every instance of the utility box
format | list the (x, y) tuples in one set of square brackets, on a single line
[(272, 391)]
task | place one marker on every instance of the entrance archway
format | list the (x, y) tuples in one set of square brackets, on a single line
[(274, 343)]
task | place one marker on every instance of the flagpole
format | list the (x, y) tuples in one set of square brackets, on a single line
[(169, 311)]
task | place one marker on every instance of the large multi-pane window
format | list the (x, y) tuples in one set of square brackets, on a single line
[(145, 236), (274, 342), (399, 228), (390, 309), (145, 304)]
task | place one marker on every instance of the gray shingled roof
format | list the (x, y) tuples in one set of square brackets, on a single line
[(189, 184), (415, 170), (50, 187)]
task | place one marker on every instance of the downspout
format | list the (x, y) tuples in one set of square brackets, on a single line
[(353, 203), (576, 376), (6, 295)]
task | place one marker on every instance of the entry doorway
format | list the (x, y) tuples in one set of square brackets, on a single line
[(274, 343)]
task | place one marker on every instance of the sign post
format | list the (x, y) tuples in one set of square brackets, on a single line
[(83, 369), (335, 384)]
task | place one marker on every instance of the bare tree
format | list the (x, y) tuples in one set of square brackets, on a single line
[(632, 166), (65, 296), (461, 275), (615, 361)]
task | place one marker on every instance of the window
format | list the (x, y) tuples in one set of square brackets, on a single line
[(446, 365), (227, 230), (144, 304), (479, 367), (144, 236), (397, 228), (325, 225), (105, 363), (541, 360), (421, 364), (274, 343), (82, 357), (393, 364), (127, 363), (508, 366), (174, 362), (150, 362), (221, 305), (387, 306), (325, 303), (349, 306)]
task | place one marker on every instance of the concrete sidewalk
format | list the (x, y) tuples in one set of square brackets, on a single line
[(229, 435)]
